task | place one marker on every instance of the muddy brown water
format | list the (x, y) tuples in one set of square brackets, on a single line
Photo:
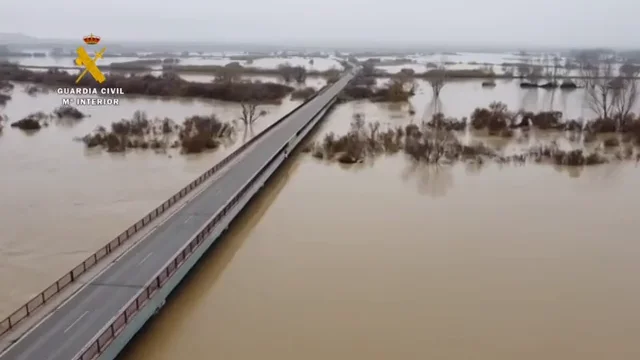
[(377, 261), (388, 261), (61, 202)]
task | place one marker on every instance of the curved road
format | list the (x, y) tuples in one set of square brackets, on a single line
[(65, 332)]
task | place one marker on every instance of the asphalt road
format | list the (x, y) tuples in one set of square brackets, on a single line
[(63, 334)]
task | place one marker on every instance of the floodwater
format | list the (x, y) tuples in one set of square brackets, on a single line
[(459, 99), (393, 261), (455, 61), (463, 57), (61, 202), (376, 261), (499, 63), (319, 64)]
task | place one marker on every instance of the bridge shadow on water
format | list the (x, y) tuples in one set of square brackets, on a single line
[(215, 260)]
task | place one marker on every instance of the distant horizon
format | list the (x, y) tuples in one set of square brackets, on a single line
[(362, 45), (451, 24)]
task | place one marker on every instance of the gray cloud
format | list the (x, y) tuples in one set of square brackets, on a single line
[(450, 22)]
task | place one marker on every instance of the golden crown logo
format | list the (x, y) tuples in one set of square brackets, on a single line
[(91, 39)]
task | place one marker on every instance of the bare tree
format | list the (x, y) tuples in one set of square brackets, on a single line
[(531, 69), (552, 77), (250, 113), (598, 75), (547, 63), (625, 92), (249, 116), (429, 142), (439, 137), (437, 82), (293, 73), (557, 66)]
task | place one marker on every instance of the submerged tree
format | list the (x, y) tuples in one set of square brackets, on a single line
[(625, 91), (437, 81), (598, 75), (228, 74), (610, 93), (249, 115), (293, 73)]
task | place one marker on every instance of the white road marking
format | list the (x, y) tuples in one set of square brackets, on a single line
[(145, 258), (189, 218), (75, 322)]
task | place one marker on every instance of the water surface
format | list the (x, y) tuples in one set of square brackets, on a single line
[(62, 201), (377, 261), (388, 261)]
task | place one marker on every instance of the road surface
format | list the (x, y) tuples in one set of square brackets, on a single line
[(65, 332)]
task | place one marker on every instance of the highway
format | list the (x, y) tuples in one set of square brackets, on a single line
[(67, 330)]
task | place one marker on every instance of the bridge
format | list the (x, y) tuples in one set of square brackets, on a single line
[(103, 310)]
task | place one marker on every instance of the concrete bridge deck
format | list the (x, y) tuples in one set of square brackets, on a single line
[(66, 332)]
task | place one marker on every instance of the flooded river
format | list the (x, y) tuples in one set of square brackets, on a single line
[(374, 261), (392, 260), (389, 262), (61, 202)]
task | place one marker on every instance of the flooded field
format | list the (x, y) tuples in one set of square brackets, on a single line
[(62, 202), (498, 63), (377, 260), (318, 64), (454, 61), (459, 99), (387, 261)]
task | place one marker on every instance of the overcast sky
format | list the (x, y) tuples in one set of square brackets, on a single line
[(491, 22)]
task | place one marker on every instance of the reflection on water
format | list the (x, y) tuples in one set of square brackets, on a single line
[(459, 99), (434, 181), (61, 201), (510, 263)]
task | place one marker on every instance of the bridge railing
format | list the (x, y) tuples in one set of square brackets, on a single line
[(43, 297), (108, 333)]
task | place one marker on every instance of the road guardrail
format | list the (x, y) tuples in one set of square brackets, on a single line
[(127, 313), (54, 289)]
